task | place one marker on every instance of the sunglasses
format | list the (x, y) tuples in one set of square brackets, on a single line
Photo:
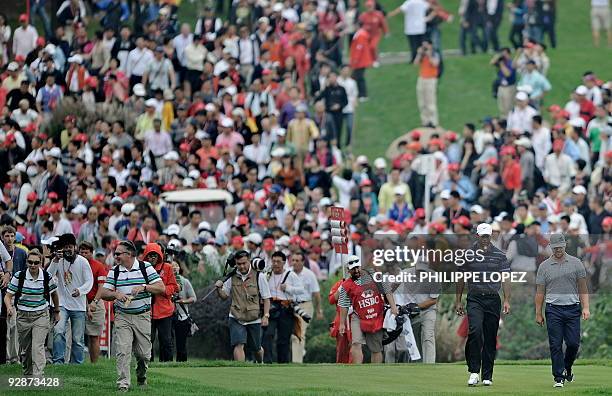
[(117, 254), (33, 262)]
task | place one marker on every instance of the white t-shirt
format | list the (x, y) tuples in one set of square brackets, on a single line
[(70, 277), (600, 3), (414, 16), (310, 283)]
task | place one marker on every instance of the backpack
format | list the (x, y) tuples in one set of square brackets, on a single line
[(21, 281)]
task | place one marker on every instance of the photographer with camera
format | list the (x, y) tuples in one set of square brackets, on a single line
[(428, 62), (367, 299), (284, 286), (504, 86), (247, 287), (162, 305), (305, 302)]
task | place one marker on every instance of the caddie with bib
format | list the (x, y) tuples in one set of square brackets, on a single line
[(367, 298)]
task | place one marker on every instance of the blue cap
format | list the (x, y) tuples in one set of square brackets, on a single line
[(19, 237), (276, 188)]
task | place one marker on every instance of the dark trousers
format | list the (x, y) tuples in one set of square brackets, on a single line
[(359, 77), (563, 324), (516, 36), (483, 312), (181, 330), (282, 327), (3, 326), (492, 36), (549, 29), (338, 118), (415, 41), (164, 328)]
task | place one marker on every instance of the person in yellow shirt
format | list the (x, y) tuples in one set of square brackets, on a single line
[(167, 110), (144, 122), (301, 131), (386, 194)]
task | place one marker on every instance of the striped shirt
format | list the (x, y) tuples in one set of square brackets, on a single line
[(494, 261), (129, 279), (344, 300), (33, 291)]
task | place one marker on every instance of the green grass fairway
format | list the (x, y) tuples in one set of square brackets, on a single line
[(228, 378)]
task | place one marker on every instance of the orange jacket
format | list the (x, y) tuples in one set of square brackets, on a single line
[(163, 306)]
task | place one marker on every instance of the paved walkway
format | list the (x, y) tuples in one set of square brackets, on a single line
[(394, 58)]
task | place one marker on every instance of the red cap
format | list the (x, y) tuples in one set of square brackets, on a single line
[(31, 197), (8, 185), (450, 136), (248, 195), (491, 161), (20, 58), (409, 224), (415, 135), (295, 240), (414, 146), (453, 167), (563, 114), (419, 213), (266, 72), (92, 82), (436, 142), (146, 193), (407, 157), (43, 210), (31, 127), (463, 221), (23, 18), (43, 136), (126, 195), (554, 108), (316, 235), (80, 137), (185, 147), (10, 139), (558, 127), (242, 220), (268, 244), (52, 195), (40, 41), (237, 242), (607, 221), (168, 187), (98, 198), (365, 183), (355, 236), (558, 144), (56, 208), (608, 154), (304, 245), (438, 227), (507, 150)]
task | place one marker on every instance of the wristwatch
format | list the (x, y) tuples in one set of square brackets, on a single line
[(95, 300), (267, 316)]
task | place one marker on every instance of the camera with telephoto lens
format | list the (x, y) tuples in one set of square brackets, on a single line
[(299, 311), (257, 263), (412, 310)]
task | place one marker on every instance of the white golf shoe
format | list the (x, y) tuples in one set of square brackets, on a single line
[(487, 382), (558, 384), (473, 380)]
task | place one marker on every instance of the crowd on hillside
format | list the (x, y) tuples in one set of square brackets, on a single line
[(96, 124)]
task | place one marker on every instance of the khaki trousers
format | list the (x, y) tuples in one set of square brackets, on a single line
[(12, 340), (32, 329), (132, 334), (505, 99), (297, 344), (424, 328), (426, 98)]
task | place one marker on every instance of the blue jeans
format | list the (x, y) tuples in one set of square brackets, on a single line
[(563, 324), (38, 8), (77, 324)]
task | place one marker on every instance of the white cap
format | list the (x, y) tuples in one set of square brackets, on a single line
[(171, 156), (210, 107), (581, 90), (281, 131), (399, 190), (362, 159), (495, 226), (577, 122), (13, 66), (175, 244), (151, 102), (283, 241), (21, 167), (254, 238), (117, 199), (372, 221), (522, 96), (200, 134), (32, 171), (439, 155), (524, 142), (76, 59), (49, 241), (445, 194), (579, 190), (380, 163), (80, 209), (278, 7), (278, 152), (49, 49), (204, 225), (238, 111), (227, 122), (353, 261), (325, 202), (54, 152), (476, 209), (173, 229), (194, 174), (263, 19), (187, 182), (139, 90), (127, 208), (484, 229)]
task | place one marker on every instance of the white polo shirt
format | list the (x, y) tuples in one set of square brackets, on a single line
[(310, 283)]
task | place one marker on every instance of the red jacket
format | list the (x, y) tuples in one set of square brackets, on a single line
[(361, 53), (163, 306)]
